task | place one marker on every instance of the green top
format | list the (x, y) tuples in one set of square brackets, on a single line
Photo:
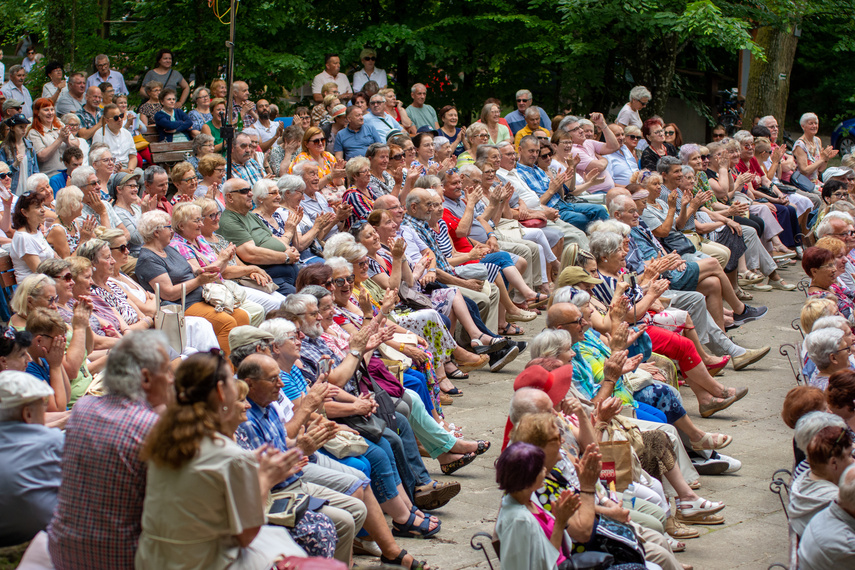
[(241, 229), (424, 116)]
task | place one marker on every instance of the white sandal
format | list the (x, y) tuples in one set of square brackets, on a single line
[(698, 507)]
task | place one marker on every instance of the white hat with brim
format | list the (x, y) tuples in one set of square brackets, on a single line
[(19, 388)]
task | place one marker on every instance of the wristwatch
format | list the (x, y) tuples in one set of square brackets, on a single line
[(356, 353)]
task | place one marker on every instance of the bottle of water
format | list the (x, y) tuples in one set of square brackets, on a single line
[(629, 497)]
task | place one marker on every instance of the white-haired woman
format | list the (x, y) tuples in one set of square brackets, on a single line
[(200, 332), (66, 234), (809, 369), (442, 148), (188, 241), (828, 350), (490, 117), (72, 121), (476, 135), (267, 198), (811, 157), (201, 113), (101, 159), (36, 290), (639, 97), (163, 266), (306, 235)]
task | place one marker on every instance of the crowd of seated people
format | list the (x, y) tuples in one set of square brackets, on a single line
[(340, 287)]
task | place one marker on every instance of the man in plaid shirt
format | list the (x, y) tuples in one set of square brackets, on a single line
[(98, 517), (243, 164)]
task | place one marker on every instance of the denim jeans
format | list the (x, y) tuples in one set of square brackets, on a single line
[(407, 458), (385, 481)]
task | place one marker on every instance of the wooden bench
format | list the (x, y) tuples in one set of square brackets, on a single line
[(8, 283), (170, 153)]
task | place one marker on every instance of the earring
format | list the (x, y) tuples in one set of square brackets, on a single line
[(225, 408)]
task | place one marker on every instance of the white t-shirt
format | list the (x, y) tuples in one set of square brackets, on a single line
[(24, 243), (121, 145), (628, 117), (323, 78), (264, 133)]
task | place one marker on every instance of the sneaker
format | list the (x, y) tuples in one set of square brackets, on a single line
[(520, 344), (710, 466), (749, 314), (734, 465), (750, 357), (500, 359)]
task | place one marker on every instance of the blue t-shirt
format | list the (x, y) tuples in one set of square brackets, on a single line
[(59, 181), (295, 385), (39, 369), (353, 143)]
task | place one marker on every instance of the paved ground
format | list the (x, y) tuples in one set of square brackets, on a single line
[(754, 534)]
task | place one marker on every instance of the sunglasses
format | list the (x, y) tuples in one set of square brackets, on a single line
[(9, 333), (669, 133), (243, 191), (546, 156), (339, 282), (633, 137), (119, 117), (213, 217), (397, 157), (369, 58), (644, 103), (705, 157), (5, 175), (68, 277), (317, 141), (123, 248), (523, 100)]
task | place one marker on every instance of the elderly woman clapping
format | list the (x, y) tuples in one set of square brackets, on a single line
[(811, 157), (65, 235), (306, 238), (829, 351), (161, 265)]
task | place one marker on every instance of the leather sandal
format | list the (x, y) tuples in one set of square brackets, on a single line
[(457, 464), (410, 529), (711, 441), (678, 530), (699, 507), (399, 561)]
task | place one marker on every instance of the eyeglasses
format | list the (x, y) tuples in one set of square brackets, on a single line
[(5, 175), (123, 248), (318, 141), (363, 263), (523, 100), (243, 191), (483, 136), (644, 103), (659, 132), (314, 313), (397, 157), (328, 283), (190, 179), (133, 185), (340, 281), (53, 299), (377, 103), (576, 322), (369, 58), (848, 233), (828, 266), (839, 195), (669, 133), (68, 277), (213, 217)]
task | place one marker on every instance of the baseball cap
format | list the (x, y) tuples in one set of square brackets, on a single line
[(834, 171), (18, 388), (18, 119), (12, 104), (247, 334), (573, 275)]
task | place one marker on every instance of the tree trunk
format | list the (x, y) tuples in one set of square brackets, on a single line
[(767, 92), (104, 16), (59, 32)]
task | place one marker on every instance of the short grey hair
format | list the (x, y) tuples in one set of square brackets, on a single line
[(439, 142), (261, 188), (764, 121), (300, 168), (336, 263), (80, 176), (484, 150), (96, 154), (295, 305), (68, 199), (412, 198), (201, 139), (812, 423), (831, 322), (666, 162), (290, 183), (34, 180), (90, 249), (529, 139), (469, 170), (279, 328), (825, 227), (550, 343), (574, 296), (416, 86), (533, 111), (564, 294), (603, 244), (821, 344), (316, 291), (613, 226), (566, 122), (150, 222), (619, 204), (340, 246), (150, 173), (687, 150), (426, 182), (525, 402), (69, 117), (743, 136), (475, 129), (804, 118), (129, 357), (523, 93), (639, 92)]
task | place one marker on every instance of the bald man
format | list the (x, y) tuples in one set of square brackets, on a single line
[(243, 111), (90, 115)]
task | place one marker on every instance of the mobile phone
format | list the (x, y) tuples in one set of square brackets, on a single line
[(280, 505), (324, 366)]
